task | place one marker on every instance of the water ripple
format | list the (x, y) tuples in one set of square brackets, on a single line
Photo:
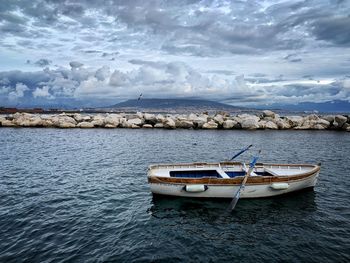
[(82, 196)]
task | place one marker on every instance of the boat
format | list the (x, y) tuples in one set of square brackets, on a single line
[(225, 179)]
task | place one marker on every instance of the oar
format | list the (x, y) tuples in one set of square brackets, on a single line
[(240, 152), (241, 188)]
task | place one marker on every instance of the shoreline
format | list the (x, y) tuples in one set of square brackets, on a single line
[(266, 120)]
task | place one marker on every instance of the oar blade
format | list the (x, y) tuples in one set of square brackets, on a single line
[(234, 200)]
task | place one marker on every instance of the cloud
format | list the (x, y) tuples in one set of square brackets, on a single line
[(292, 58), (207, 49), (187, 27), (333, 29), (18, 92), (75, 64), (118, 79), (43, 62), (102, 86), (42, 92)]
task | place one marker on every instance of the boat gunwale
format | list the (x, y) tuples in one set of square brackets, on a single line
[(252, 180), (219, 164)]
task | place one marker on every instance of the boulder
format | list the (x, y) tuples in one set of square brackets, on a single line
[(169, 123), (98, 121), (237, 119), (326, 124), (183, 124), (229, 124), (192, 117), (219, 119), (313, 124), (7, 123), (199, 121), (271, 125), (159, 125), (78, 117), (147, 126), (329, 118), (47, 123), (250, 124), (262, 124), (311, 117), (283, 124), (27, 120), (64, 121), (135, 122), (303, 127), (339, 121), (268, 113), (160, 118), (248, 116), (139, 115), (150, 118), (112, 120), (110, 126), (346, 127), (85, 124), (66, 125), (124, 123), (86, 118), (269, 119), (210, 125), (307, 124), (295, 121), (318, 127), (131, 116), (34, 121)]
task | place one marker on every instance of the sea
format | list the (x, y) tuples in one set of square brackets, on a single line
[(74, 195)]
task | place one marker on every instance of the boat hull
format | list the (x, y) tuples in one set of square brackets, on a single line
[(258, 187)]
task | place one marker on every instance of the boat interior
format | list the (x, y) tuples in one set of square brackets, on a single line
[(227, 170)]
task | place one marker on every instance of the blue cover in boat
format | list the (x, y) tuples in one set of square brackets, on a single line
[(234, 174), (195, 174)]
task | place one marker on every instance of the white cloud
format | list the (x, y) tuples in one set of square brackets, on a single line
[(18, 92), (102, 73), (118, 79), (42, 92), (158, 79)]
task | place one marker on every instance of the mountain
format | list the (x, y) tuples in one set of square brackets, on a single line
[(175, 105), (336, 106)]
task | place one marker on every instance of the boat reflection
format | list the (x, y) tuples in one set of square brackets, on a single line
[(248, 211)]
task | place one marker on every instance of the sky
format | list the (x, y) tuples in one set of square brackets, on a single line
[(246, 53)]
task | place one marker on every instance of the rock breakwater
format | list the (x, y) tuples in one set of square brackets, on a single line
[(265, 120)]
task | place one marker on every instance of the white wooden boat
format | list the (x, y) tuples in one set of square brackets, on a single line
[(223, 180)]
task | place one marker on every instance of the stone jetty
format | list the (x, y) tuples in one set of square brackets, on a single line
[(264, 120)]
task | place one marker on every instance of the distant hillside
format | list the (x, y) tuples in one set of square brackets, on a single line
[(335, 106), (175, 105)]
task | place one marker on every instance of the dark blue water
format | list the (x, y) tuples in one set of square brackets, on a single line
[(82, 196)]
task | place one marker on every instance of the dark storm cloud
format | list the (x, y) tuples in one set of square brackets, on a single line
[(167, 48), (191, 27), (92, 51), (333, 29), (292, 58), (43, 62), (30, 79)]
